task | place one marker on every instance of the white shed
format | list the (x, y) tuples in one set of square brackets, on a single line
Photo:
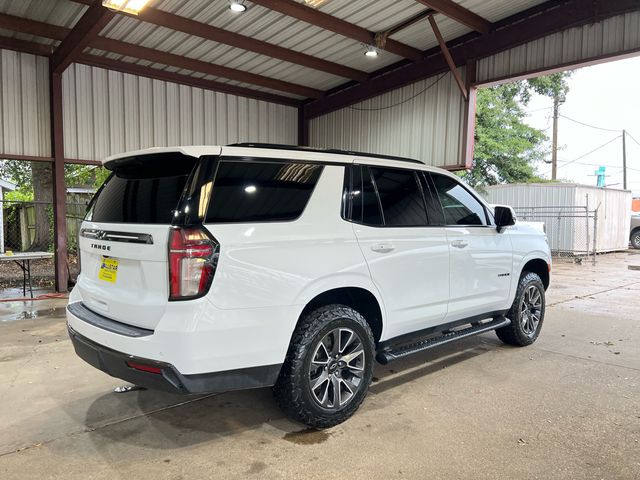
[(4, 187), (568, 211)]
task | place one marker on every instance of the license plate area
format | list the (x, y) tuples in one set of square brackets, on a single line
[(108, 271)]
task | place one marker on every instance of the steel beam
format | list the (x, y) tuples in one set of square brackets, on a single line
[(165, 58), (192, 27), (537, 22), (95, 18), (451, 9), (336, 25), (447, 56), (141, 70), (59, 188), (303, 127), (469, 126), (167, 76), (34, 27), (33, 48)]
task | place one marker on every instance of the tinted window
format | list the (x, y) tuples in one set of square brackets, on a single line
[(371, 214), (248, 191), (143, 189), (460, 207), (434, 210), (400, 196)]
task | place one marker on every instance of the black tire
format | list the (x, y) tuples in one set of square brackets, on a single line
[(523, 330), (635, 239), (293, 390)]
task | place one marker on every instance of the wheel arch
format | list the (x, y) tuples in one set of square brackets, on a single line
[(540, 267), (360, 299)]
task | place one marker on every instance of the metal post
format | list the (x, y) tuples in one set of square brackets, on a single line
[(303, 127), (624, 159), (595, 232), (554, 147), (586, 216), (59, 188)]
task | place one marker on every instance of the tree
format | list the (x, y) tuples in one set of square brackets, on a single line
[(506, 148), (35, 183)]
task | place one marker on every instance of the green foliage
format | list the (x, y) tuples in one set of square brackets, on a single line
[(19, 172), (506, 148)]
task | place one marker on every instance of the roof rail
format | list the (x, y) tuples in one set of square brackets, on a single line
[(276, 146)]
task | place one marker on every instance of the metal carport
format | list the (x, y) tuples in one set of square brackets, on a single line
[(80, 82)]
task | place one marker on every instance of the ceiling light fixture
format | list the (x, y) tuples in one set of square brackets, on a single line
[(237, 6), (371, 51), (314, 3), (132, 7)]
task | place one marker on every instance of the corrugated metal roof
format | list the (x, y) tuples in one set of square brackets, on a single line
[(263, 24)]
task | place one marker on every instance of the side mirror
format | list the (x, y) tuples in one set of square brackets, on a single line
[(504, 216)]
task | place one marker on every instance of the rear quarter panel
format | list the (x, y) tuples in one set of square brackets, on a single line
[(288, 263)]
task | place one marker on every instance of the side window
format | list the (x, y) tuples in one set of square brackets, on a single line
[(459, 206), (400, 197), (255, 191), (434, 209), (361, 197), (371, 213)]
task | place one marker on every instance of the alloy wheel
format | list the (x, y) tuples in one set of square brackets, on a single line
[(531, 310), (337, 368)]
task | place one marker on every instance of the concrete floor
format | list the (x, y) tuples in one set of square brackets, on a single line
[(566, 407)]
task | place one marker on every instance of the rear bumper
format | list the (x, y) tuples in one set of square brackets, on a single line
[(169, 378)]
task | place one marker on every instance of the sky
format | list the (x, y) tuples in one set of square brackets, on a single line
[(604, 96)]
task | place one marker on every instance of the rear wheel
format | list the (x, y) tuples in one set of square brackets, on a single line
[(328, 368), (526, 313), (635, 239)]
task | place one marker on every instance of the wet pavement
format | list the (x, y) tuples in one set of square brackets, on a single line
[(566, 407)]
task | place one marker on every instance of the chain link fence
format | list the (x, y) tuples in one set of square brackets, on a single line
[(571, 231), (27, 226)]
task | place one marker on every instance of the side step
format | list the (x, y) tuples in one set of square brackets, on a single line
[(389, 354)]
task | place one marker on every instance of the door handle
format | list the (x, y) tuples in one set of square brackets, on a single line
[(382, 247), (459, 243)]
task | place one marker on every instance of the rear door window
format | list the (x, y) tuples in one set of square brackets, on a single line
[(261, 191), (144, 189), (400, 196)]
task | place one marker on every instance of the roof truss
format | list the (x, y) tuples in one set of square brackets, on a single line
[(192, 27), (458, 13), (85, 30)]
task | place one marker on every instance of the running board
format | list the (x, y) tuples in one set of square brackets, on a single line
[(389, 354)]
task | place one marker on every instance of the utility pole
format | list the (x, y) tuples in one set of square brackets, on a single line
[(624, 159), (554, 148)]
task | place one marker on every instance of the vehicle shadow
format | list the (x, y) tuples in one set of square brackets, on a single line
[(187, 421), (419, 365)]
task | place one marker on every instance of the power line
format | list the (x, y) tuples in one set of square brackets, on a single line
[(403, 101), (631, 137), (591, 151), (537, 110), (589, 125)]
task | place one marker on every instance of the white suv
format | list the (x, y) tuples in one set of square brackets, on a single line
[(207, 269)]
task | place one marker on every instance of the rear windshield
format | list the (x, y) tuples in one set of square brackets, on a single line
[(143, 189), (260, 191)]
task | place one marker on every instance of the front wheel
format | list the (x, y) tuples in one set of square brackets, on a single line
[(526, 313), (328, 368)]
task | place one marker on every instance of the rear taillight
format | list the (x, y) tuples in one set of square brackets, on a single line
[(193, 257)]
